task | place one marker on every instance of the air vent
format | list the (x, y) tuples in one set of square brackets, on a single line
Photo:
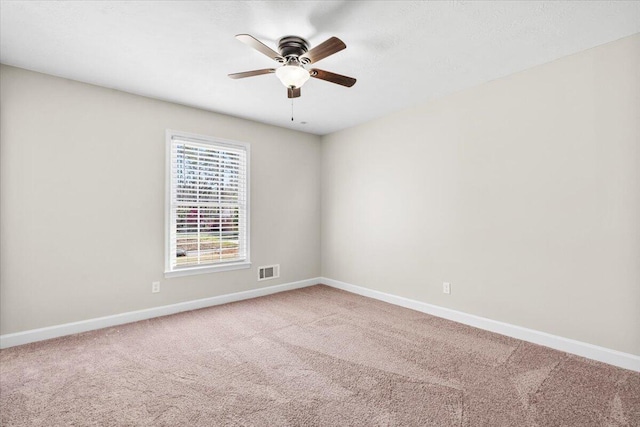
[(268, 272)]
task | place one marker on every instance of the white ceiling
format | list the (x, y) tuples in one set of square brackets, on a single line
[(401, 52)]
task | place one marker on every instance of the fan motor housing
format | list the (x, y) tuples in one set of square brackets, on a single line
[(293, 46)]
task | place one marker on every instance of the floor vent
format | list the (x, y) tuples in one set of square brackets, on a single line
[(268, 272)]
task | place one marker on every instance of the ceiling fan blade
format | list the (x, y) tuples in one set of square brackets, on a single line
[(329, 47), (252, 73), (332, 77), (260, 47), (293, 92)]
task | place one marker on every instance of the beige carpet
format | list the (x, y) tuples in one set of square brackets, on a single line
[(310, 357)]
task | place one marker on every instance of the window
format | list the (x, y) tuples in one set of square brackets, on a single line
[(207, 205)]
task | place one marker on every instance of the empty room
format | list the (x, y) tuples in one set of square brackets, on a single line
[(320, 213)]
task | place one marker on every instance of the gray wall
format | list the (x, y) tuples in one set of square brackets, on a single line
[(82, 201), (523, 193)]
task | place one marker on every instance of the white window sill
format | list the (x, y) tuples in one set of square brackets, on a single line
[(207, 269)]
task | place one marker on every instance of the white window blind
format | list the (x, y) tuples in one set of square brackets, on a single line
[(208, 201)]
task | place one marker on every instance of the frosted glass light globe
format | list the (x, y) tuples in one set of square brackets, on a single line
[(292, 75)]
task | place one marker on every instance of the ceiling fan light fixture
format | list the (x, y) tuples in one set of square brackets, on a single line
[(292, 76), (294, 54)]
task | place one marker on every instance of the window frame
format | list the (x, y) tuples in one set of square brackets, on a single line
[(211, 268)]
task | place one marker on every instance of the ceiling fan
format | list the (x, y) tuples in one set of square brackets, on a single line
[(294, 56)]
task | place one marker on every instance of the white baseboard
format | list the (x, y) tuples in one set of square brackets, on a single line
[(590, 351), (33, 335)]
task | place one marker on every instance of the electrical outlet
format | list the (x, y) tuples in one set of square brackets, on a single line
[(446, 288), (155, 287)]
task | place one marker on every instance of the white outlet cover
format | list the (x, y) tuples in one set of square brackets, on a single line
[(446, 287), (155, 287)]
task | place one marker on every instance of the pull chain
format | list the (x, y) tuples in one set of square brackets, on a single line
[(291, 109)]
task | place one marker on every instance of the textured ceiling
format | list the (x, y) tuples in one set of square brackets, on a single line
[(402, 53)]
